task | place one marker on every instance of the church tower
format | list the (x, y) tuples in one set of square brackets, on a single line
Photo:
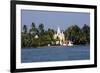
[(58, 31), (61, 37)]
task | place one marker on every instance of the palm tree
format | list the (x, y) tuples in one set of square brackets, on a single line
[(33, 25), (25, 29), (41, 29), (33, 29)]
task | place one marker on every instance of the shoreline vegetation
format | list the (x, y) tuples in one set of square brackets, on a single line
[(39, 37), (54, 46)]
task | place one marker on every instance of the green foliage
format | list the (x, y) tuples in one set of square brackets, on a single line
[(41, 28), (44, 37), (25, 29), (78, 35), (86, 33), (74, 33)]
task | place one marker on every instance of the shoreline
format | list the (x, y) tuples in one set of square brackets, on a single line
[(53, 46)]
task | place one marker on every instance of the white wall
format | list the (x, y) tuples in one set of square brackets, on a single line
[(5, 37)]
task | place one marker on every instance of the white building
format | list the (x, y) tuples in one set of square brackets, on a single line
[(60, 37)]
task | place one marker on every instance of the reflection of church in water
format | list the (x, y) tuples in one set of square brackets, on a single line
[(60, 38)]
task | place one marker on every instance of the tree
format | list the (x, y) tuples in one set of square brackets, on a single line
[(33, 25), (33, 29), (86, 29), (51, 33), (41, 28), (86, 33), (72, 33), (25, 29)]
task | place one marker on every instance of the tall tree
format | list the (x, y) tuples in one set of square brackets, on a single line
[(33, 25), (86, 33), (25, 29), (41, 28), (51, 33), (33, 29), (86, 29), (72, 33)]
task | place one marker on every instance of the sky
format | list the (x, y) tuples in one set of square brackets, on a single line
[(53, 19)]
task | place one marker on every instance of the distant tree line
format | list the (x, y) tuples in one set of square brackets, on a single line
[(78, 35), (38, 36)]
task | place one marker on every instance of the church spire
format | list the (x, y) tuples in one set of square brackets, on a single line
[(58, 30)]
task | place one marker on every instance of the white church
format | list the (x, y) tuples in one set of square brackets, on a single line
[(61, 38)]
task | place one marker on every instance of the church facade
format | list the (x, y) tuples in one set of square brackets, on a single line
[(60, 37)]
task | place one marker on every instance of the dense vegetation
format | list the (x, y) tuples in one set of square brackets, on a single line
[(38, 36), (78, 35)]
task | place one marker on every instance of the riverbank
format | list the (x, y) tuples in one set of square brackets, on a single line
[(57, 46)]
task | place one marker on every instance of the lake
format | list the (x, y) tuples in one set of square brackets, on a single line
[(58, 53)]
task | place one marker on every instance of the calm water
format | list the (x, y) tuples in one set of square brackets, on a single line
[(55, 54)]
